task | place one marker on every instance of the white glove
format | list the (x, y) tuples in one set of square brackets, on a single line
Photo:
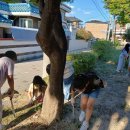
[(72, 101)]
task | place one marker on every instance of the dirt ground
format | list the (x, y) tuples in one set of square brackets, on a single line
[(111, 110)]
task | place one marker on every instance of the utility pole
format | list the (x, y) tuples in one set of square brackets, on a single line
[(109, 28), (114, 29)]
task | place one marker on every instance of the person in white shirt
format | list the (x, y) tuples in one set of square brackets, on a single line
[(7, 62), (37, 90), (122, 57)]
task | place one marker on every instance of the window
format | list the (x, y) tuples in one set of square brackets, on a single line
[(27, 23)]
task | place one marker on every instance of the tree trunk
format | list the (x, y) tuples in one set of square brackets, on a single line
[(51, 38)]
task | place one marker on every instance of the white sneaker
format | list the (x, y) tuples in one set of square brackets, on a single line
[(84, 126), (82, 116)]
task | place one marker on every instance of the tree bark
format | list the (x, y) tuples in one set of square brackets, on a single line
[(51, 37)]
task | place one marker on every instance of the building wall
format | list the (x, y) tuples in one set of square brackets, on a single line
[(1, 32), (119, 29), (23, 34), (99, 30), (75, 24)]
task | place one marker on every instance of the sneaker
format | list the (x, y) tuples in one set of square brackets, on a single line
[(82, 116), (84, 126)]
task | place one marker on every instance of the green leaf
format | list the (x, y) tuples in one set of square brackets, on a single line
[(119, 8)]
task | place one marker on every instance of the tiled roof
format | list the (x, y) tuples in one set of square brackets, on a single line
[(97, 21), (23, 7), (4, 6), (73, 19), (4, 20)]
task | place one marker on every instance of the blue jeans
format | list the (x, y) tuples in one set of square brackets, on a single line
[(93, 94)]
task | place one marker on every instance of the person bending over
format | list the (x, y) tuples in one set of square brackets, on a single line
[(37, 90), (88, 84), (7, 62)]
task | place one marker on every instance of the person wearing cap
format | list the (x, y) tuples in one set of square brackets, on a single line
[(7, 62)]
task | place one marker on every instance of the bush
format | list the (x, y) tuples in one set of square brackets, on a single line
[(103, 49), (83, 62), (82, 34), (116, 43)]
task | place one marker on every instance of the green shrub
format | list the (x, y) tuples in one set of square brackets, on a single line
[(116, 43), (83, 34), (83, 62), (103, 49)]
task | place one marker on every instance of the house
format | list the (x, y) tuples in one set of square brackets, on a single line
[(19, 24), (74, 22), (98, 28), (5, 23), (24, 15), (120, 31), (23, 18)]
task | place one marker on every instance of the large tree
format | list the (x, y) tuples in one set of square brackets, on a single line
[(120, 9), (51, 37)]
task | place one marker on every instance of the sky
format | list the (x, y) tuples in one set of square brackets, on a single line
[(87, 10)]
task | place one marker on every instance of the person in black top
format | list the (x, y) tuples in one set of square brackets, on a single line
[(88, 84)]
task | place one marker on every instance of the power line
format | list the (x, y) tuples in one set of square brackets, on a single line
[(99, 10)]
